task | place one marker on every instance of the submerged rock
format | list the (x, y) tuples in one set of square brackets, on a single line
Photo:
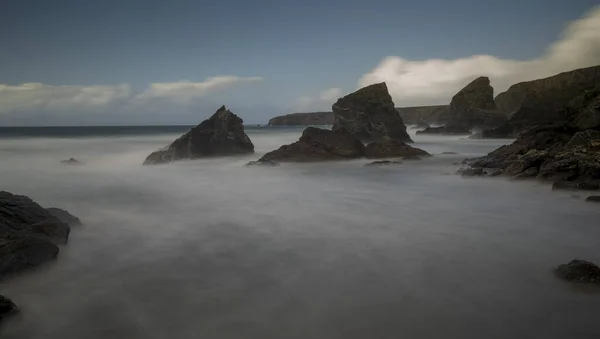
[(317, 144), (384, 162), (369, 114), (392, 149), (263, 162), (71, 161), (447, 130), (579, 271), (593, 198), (7, 307), (220, 135), (576, 185)]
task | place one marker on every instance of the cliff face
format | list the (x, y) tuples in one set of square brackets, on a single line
[(303, 119)]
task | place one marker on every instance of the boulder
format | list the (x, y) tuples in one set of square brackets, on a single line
[(220, 135), (71, 161), (576, 185), (317, 144), (593, 198), (369, 114), (391, 149), (579, 271), (64, 216), (29, 233), (586, 138), (263, 162), (7, 307), (473, 106)]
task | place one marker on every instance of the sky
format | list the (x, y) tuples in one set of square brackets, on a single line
[(150, 62)]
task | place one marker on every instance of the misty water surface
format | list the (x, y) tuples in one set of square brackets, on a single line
[(213, 249)]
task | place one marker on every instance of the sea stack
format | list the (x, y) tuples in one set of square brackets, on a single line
[(369, 114), (220, 135)]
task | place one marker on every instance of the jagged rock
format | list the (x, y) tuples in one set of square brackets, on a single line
[(579, 271), (317, 144), (593, 198), (585, 138), (303, 119), (369, 114), (71, 161), (29, 233), (391, 149), (7, 307), (384, 162), (473, 106), (262, 162), (220, 135), (447, 130)]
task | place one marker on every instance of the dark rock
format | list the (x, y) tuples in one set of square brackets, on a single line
[(587, 138), (19, 252), (449, 153), (303, 119), (593, 198), (64, 216), (369, 114), (447, 130), (411, 157), (579, 271), (576, 185), (391, 149), (262, 162), (530, 172), (472, 172), (384, 162), (71, 161), (494, 172), (7, 307), (220, 135), (424, 115), (317, 144), (473, 106)]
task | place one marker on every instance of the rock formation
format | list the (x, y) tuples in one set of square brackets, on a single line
[(317, 144), (447, 130), (303, 119), (369, 114), (7, 307), (579, 271), (71, 161), (392, 149), (568, 150), (542, 101), (473, 106), (421, 115), (220, 135)]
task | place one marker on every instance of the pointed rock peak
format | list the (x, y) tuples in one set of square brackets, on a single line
[(481, 81), (222, 109)]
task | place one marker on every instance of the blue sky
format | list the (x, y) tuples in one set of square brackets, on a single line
[(265, 57)]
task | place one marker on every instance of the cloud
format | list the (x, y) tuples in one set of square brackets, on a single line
[(184, 92), (435, 81), (36, 96), (320, 102)]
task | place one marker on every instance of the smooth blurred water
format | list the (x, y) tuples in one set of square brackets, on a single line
[(213, 249)]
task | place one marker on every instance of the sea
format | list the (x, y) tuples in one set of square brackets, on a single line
[(211, 248)]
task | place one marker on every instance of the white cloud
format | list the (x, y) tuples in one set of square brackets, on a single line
[(36, 96), (183, 92), (435, 81), (320, 102)]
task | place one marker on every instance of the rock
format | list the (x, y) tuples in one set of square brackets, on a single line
[(262, 162), (449, 153), (29, 233), (317, 144), (220, 135), (303, 119), (7, 307), (391, 149), (447, 130), (494, 172), (579, 271), (384, 162), (71, 161), (424, 115), (64, 216), (473, 106), (472, 172), (411, 157), (593, 198), (585, 138), (530, 172), (576, 185), (369, 114)]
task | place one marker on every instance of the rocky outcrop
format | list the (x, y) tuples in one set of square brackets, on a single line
[(593, 198), (303, 119), (474, 107), (392, 149), (579, 271), (421, 115), (317, 144), (29, 233), (383, 163), (369, 114), (71, 161), (447, 130), (263, 162), (560, 151), (7, 307), (543, 101), (220, 135)]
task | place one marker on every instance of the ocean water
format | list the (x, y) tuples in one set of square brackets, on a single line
[(212, 249)]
